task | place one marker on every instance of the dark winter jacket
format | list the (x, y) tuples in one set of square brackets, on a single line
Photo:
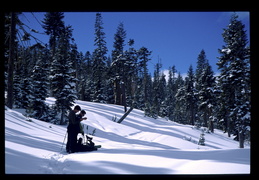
[(72, 118), (74, 122)]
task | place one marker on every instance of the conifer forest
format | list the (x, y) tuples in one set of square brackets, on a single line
[(57, 69)]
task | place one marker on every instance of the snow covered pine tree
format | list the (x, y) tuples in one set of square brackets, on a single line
[(235, 78)]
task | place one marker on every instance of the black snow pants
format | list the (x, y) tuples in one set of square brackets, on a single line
[(72, 131)]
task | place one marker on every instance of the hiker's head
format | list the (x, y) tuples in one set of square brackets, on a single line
[(77, 108), (83, 112)]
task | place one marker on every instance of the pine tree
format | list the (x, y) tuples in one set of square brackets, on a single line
[(235, 78), (185, 107), (141, 103), (80, 67), (207, 96), (201, 87), (37, 107), (77, 63), (131, 73), (88, 89), (22, 78), (190, 96), (118, 65), (156, 99), (180, 104), (143, 55), (54, 26), (17, 89), (162, 95), (158, 104), (119, 39), (202, 63), (63, 80), (11, 57), (171, 92), (18, 79), (99, 61)]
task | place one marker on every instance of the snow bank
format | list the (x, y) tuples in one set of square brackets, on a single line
[(139, 145)]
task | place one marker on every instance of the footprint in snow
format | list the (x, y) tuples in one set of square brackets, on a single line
[(55, 164)]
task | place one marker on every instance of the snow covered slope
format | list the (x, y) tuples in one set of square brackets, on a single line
[(139, 145)]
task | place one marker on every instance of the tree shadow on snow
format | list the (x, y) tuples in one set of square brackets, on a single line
[(17, 162), (239, 156), (109, 167), (31, 141), (117, 138)]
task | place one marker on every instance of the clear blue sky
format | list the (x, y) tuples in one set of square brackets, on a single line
[(175, 37)]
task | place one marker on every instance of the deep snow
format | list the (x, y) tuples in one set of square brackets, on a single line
[(139, 145)]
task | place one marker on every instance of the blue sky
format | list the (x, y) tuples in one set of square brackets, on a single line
[(174, 37)]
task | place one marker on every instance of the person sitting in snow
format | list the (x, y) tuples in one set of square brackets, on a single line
[(73, 129)]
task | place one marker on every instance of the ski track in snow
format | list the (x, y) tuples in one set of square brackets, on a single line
[(139, 145)]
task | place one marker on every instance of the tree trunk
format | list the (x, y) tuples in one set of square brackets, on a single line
[(125, 115), (211, 121), (241, 138), (228, 127), (211, 126), (123, 97), (117, 91), (11, 62), (62, 116), (205, 118), (192, 115)]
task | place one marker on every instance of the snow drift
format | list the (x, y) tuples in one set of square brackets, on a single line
[(139, 145)]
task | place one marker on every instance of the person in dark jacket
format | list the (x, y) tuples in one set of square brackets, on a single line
[(80, 118), (73, 129)]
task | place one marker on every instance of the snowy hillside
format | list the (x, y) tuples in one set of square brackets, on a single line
[(139, 145)]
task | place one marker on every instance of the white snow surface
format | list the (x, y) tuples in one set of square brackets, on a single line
[(139, 145)]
